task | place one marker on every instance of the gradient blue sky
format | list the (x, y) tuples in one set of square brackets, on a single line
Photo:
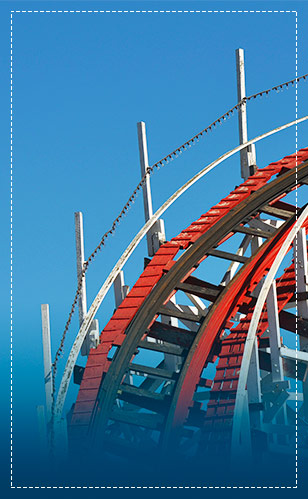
[(80, 84)]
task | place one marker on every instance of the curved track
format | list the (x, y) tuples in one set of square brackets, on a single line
[(123, 400)]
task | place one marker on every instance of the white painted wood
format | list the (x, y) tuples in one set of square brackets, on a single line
[(274, 334), (301, 273), (253, 380), (120, 289), (71, 361), (289, 353), (82, 301), (47, 358), (254, 389), (156, 233), (296, 396), (248, 155), (144, 164)]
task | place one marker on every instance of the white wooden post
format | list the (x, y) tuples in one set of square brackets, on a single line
[(92, 338), (274, 334), (80, 262), (275, 346), (120, 289), (248, 156), (47, 358), (301, 273), (156, 235), (254, 386)]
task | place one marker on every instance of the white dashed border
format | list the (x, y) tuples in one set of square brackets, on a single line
[(11, 236)]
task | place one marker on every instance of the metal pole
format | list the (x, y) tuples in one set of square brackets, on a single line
[(47, 358), (144, 164), (248, 155), (80, 262), (155, 235)]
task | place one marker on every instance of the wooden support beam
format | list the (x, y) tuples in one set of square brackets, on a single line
[(154, 372), (276, 212), (252, 231), (225, 255), (151, 401), (174, 335), (185, 316), (166, 348), (200, 288), (274, 333), (293, 323)]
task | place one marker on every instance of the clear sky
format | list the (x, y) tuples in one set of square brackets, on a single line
[(80, 84)]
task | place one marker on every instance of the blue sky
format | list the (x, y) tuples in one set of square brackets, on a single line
[(80, 84)]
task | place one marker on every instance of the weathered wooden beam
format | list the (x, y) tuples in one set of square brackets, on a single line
[(200, 288), (152, 401), (225, 255), (161, 347), (170, 334), (277, 212), (288, 321), (252, 232), (154, 372), (179, 314)]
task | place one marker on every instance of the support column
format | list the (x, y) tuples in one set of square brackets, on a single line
[(82, 302), (156, 234), (120, 289), (47, 358), (248, 155), (254, 387), (274, 334), (92, 338), (301, 273)]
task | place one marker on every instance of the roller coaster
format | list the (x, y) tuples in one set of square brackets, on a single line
[(190, 364)]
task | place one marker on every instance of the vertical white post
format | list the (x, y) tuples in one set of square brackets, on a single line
[(254, 385), (155, 235), (92, 338), (82, 303), (301, 273), (144, 164), (274, 334), (120, 289), (47, 358), (248, 156)]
